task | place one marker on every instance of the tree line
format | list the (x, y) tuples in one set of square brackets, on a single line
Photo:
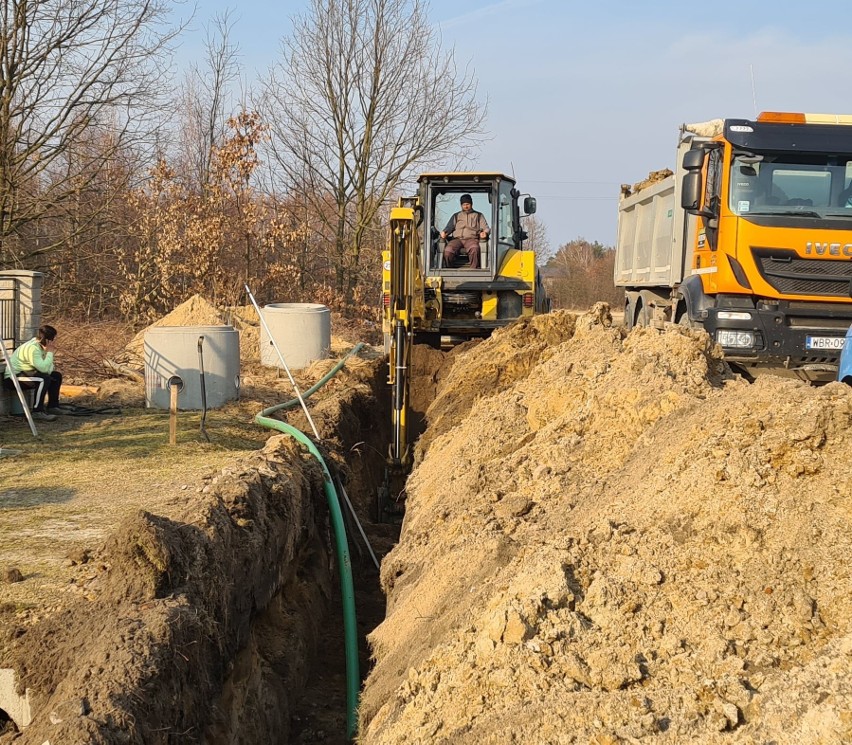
[(133, 187), (578, 273)]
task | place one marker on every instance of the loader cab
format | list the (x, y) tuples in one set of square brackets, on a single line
[(494, 196)]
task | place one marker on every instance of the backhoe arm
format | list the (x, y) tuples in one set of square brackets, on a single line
[(402, 270)]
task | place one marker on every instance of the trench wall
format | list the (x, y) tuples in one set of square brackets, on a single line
[(169, 649)]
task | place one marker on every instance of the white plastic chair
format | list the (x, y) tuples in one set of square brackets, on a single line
[(33, 402)]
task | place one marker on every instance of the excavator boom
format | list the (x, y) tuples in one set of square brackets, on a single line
[(400, 274)]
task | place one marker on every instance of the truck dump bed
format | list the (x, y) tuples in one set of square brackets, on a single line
[(655, 236)]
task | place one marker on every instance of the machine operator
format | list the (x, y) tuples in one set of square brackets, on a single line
[(467, 227)]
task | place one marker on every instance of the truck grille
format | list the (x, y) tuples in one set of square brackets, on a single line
[(790, 274)]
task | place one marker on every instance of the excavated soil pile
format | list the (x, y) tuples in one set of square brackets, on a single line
[(179, 595), (624, 542), (654, 177)]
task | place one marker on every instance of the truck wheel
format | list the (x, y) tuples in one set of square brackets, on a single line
[(627, 319), (682, 315)]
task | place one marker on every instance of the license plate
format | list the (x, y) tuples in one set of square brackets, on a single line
[(824, 342)]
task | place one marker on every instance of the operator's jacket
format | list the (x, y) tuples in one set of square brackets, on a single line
[(466, 225)]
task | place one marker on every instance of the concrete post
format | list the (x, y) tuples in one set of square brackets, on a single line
[(28, 312), (29, 301)]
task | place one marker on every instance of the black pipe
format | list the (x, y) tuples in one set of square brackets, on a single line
[(203, 388)]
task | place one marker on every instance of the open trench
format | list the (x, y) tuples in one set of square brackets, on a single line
[(307, 685), (319, 712), (295, 661)]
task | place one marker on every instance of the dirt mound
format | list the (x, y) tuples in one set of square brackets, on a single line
[(485, 368), (143, 658), (194, 312), (624, 542), (654, 177)]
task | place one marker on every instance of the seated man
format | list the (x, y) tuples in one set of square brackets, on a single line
[(468, 227), (34, 359)]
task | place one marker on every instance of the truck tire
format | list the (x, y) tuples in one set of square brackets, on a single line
[(683, 318), (629, 318)]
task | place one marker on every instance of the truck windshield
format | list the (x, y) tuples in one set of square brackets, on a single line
[(806, 184)]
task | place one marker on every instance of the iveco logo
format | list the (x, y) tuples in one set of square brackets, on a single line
[(828, 249)]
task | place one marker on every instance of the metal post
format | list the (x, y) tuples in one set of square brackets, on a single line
[(203, 388)]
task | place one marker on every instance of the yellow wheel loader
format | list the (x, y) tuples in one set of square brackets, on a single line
[(436, 292)]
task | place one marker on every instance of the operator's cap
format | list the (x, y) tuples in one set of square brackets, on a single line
[(465, 198)]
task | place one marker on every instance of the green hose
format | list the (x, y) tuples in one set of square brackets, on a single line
[(350, 630), (316, 386)]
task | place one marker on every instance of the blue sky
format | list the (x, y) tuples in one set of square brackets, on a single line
[(585, 96)]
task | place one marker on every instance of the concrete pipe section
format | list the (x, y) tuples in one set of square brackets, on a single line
[(176, 354), (302, 332)]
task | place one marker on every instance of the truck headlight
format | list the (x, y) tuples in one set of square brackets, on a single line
[(735, 338), (734, 315)]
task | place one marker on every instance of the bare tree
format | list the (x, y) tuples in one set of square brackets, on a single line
[(537, 239), (362, 97), (204, 100), (66, 69)]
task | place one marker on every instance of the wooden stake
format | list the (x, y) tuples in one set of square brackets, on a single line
[(173, 391)]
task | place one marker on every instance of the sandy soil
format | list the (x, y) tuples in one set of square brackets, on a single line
[(608, 538), (622, 542)]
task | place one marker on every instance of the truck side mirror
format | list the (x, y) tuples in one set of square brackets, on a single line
[(693, 160), (690, 195), (529, 205)]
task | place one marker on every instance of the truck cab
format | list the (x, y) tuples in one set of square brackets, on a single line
[(750, 239), (772, 258)]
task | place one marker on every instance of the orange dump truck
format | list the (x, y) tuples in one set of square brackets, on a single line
[(750, 239)]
